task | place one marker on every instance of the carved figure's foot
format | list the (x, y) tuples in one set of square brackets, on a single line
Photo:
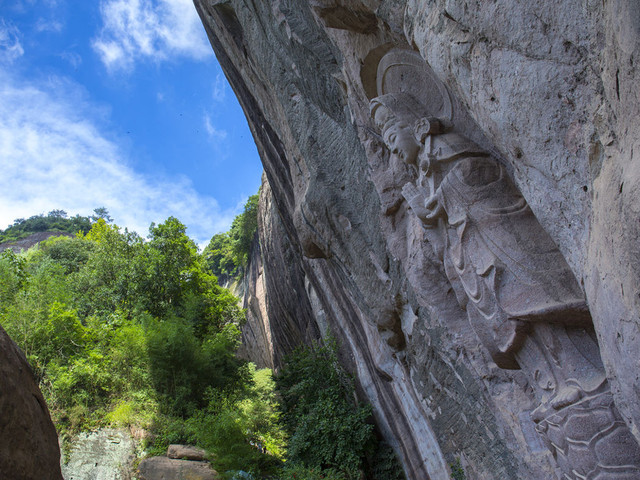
[(566, 396)]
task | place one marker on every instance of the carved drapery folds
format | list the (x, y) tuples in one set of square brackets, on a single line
[(520, 296)]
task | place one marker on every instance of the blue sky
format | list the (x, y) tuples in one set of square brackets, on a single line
[(119, 104)]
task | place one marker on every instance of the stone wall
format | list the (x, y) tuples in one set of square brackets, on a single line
[(547, 94)]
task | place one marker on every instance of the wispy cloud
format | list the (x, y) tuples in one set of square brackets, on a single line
[(213, 132), (220, 88), (54, 153), (51, 26), (149, 29), (74, 59), (10, 46)]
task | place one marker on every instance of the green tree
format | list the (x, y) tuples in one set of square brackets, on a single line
[(125, 331), (26, 318), (238, 429), (101, 213), (108, 281), (243, 230), (327, 429), (70, 253), (167, 266), (55, 221), (219, 257), (183, 368), (227, 254), (13, 277), (57, 213)]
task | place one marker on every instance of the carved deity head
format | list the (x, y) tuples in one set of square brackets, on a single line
[(394, 116), (411, 102)]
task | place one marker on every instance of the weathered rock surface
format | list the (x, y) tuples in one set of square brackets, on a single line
[(28, 440), (549, 92), (163, 468), (31, 240), (186, 452), (272, 291), (105, 454)]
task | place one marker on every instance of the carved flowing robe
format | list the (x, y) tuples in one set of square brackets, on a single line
[(504, 267)]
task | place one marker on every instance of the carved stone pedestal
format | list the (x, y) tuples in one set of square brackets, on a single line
[(590, 441)]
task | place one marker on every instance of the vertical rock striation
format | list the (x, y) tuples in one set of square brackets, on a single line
[(545, 96)]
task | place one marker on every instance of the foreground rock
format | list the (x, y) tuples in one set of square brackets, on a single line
[(163, 468), (186, 452), (475, 251), (28, 440), (105, 454)]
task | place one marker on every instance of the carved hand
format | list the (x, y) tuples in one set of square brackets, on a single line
[(415, 198), (434, 208), (427, 210)]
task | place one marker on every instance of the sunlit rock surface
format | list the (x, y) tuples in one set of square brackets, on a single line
[(104, 454), (547, 90), (163, 468)]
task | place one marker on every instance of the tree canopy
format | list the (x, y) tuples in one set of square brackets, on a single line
[(107, 317), (55, 221), (227, 254)]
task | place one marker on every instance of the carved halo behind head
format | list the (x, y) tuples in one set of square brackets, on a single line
[(406, 90), (402, 71)]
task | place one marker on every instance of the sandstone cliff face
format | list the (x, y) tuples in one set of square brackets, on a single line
[(273, 288), (28, 440), (548, 94)]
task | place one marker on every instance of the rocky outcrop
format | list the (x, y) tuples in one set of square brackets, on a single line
[(186, 452), (104, 454), (376, 224), (183, 462), (28, 440), (274, 288), (33, 239), (163, 468)]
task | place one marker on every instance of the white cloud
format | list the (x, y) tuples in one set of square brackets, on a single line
[(53, 155), (74, 59), (149, 29), (10, 46), (212, 131), (51, 26), (220, 88)]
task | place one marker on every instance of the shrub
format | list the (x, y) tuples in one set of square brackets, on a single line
[(298, 472), (242, 431), (328, 430), (182, 368)]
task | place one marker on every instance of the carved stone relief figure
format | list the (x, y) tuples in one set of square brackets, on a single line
[(521, 298)]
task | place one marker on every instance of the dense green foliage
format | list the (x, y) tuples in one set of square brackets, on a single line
[(130, 332), (54, 221), (238, 428), (328, 430), (118, 329), (227, 253)]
